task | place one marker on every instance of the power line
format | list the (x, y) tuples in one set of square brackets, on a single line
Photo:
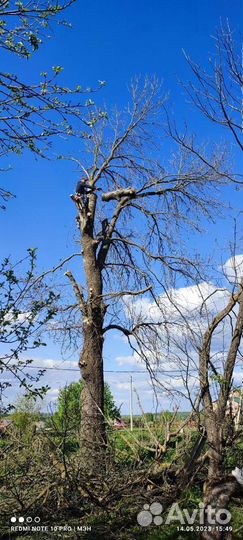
[(108, 371)]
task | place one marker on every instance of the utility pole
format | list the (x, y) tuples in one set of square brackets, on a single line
[(131, 404)]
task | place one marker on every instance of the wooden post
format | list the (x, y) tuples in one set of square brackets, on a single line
[(131, 404)]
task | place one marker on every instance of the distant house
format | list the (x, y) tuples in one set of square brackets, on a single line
[(234, 405), (4, 426), (118, 424)]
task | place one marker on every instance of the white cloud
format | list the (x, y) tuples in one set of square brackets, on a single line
[(123, 386), (238, 377), (21, 317), (137, 385), (53, 363), (129, 360), (233, 269), (185, 301), (148, 392), (183, 316), (56, 377), (53, 391)]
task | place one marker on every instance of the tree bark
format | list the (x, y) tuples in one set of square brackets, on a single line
[(217, 496), (219, 487), (92, 429), (92, 432)]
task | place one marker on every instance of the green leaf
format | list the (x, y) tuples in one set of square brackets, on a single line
[(57, 69)]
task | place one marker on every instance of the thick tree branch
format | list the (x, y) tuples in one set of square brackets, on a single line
[(119, 194), (205, 360), (78, 292)]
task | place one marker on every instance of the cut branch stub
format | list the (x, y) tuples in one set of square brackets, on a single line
[(119, 194), (78, 292)]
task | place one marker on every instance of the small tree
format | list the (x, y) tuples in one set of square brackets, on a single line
[(219, 421), (201, 329), (24, 419), (27, 305), (26, 414), (70, 404)]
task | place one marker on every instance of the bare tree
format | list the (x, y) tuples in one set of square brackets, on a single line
[(27, 305), (199, 338), (216, 91), (134, 205), (219, 421)]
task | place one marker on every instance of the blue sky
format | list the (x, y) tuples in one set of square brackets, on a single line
[(111, 41)]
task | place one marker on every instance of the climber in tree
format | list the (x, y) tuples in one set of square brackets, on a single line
[(82, 190)]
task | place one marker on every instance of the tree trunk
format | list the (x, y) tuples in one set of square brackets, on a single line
[(92, 429), (92, 432), (218, 494), (219, 487)]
